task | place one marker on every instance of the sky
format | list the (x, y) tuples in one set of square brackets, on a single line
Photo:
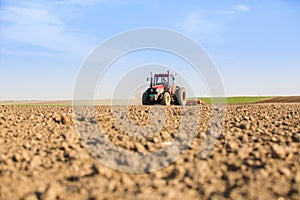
[(255, 45)]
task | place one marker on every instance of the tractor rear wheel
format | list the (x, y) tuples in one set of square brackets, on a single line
[(166, 99), (145, 100), (180, 96)]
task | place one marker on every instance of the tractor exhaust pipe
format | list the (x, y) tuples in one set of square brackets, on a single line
[(151, 80)]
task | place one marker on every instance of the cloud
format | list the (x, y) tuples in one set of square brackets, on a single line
[(76, 2), (198, 23), (240, 8), (208, 24), (36, 26)]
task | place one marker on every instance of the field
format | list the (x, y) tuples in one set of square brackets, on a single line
[(235, 100), (207, 100), (257, 155)]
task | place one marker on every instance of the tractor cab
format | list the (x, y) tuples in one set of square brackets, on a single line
[(166, 80)]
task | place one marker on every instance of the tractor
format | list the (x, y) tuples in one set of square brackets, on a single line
[(162, 90)]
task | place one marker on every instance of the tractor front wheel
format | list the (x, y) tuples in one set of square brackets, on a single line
[(166, 99)]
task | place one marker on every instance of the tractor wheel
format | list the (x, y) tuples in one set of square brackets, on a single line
[(180, 96), (145, 100), (166, 99)]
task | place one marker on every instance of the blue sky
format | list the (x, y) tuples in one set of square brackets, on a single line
[(254, 44)]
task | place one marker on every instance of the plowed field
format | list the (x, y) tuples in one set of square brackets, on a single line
[(257, 156)]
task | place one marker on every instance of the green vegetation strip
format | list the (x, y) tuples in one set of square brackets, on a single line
[(234, 100)]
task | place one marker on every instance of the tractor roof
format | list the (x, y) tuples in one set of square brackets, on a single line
[(163, 75)]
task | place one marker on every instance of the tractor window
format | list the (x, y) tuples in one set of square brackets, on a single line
[(158, 80)]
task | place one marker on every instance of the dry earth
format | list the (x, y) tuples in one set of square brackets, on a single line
[(256, 157), (285, 99)]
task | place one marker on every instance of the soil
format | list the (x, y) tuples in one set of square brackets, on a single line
[(282, 99), (257, 156)]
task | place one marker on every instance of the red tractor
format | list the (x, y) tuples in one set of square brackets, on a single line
[(163, 91)]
